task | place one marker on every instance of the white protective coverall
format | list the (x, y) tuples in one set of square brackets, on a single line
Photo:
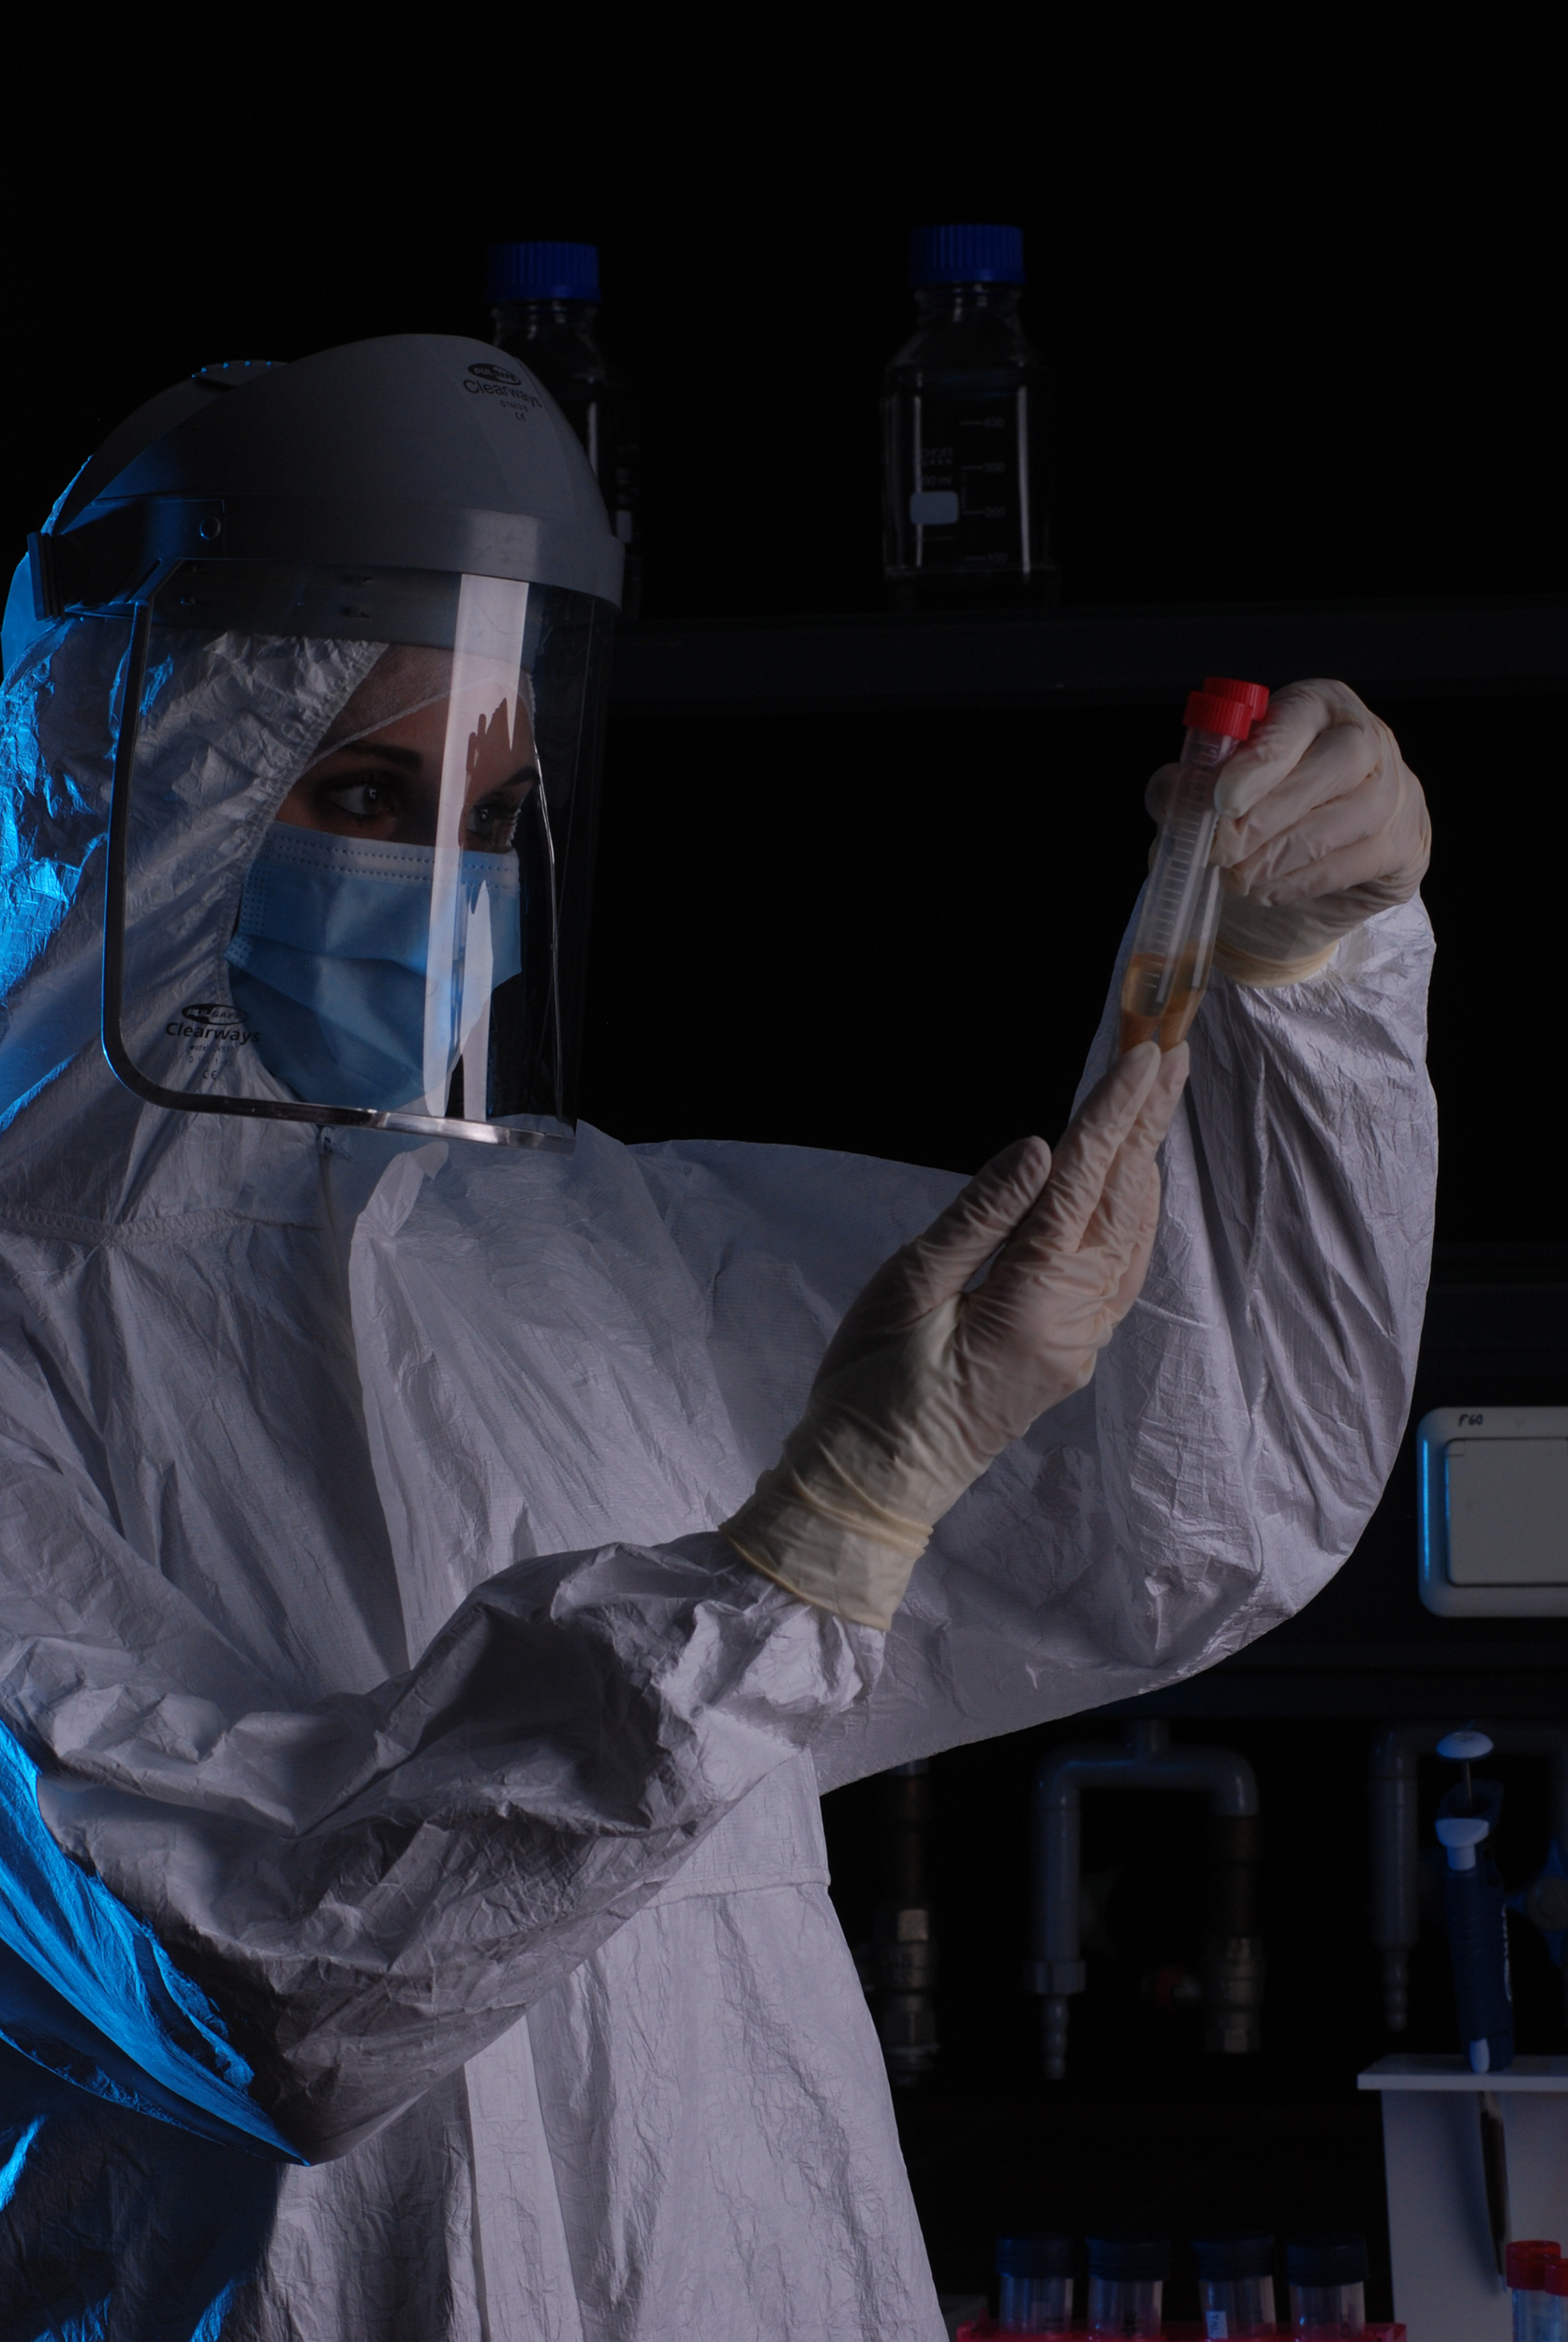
[(439, 1792)]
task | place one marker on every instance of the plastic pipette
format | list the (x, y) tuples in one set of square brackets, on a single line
[(1473, 1909)]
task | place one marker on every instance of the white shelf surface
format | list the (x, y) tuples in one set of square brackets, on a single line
[(1405, 2072)]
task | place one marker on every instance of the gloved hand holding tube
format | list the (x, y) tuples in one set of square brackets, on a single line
[(1322, 824), (926, 1381)]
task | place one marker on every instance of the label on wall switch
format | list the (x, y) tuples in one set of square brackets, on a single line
[(1491, 1485), (1507, 1512)]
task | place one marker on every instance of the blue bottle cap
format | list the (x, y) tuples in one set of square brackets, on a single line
[(541, 272), (967, 256), (1034, 2256)]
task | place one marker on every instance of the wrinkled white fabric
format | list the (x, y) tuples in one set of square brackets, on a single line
[(541, 1921)]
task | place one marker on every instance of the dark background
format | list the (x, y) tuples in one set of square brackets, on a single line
[(1298, 305), (1301, 308)]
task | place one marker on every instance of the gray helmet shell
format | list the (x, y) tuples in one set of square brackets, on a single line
[(417, 451)]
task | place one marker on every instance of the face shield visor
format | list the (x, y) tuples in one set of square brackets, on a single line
[(405, 947)]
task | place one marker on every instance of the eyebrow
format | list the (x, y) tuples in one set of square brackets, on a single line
[(409, 760)]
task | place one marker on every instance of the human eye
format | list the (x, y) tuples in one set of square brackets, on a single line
[(492, 822), (362, 800)]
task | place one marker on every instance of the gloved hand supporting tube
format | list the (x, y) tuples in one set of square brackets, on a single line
[(1322, 825), (927, 1382)]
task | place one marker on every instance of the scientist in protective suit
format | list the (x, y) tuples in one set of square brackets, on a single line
[(444, 1554)]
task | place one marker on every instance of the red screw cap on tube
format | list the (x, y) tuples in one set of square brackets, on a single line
[(1526, 2263), (1252, 695), (1206, 713)]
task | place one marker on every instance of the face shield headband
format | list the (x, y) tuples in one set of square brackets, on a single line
[(407, 948)]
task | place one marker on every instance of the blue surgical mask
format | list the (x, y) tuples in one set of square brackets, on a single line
[(331, 963)]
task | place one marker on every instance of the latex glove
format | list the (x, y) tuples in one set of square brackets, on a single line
[(1321, 823), (924, 1384)]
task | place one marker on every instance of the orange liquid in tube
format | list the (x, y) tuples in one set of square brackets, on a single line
[(1147, 1016), (1173, 948)]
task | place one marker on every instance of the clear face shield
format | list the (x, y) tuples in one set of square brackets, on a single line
[(406, 947)]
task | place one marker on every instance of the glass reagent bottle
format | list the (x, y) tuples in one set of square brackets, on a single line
[(964, 423), (1173, 948), (544, 303)]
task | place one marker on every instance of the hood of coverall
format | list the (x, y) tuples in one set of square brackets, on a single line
[(250, 491), (227, 726)]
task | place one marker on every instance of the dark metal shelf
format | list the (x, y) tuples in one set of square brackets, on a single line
[(1081, 658)]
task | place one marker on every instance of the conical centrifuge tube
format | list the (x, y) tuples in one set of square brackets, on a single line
[(1168, 971)]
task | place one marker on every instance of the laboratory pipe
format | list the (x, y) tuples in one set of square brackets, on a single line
[(1525, 2267), (1328, 2286), (1035, 2295), (1553, 2313), (1232, 1964), (544, 302), (1172, 951), (904, 1948), (1235, 2284), (1396, 1847), (964, 433)]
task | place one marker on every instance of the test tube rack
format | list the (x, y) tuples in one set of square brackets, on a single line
[(1448, 2220)]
